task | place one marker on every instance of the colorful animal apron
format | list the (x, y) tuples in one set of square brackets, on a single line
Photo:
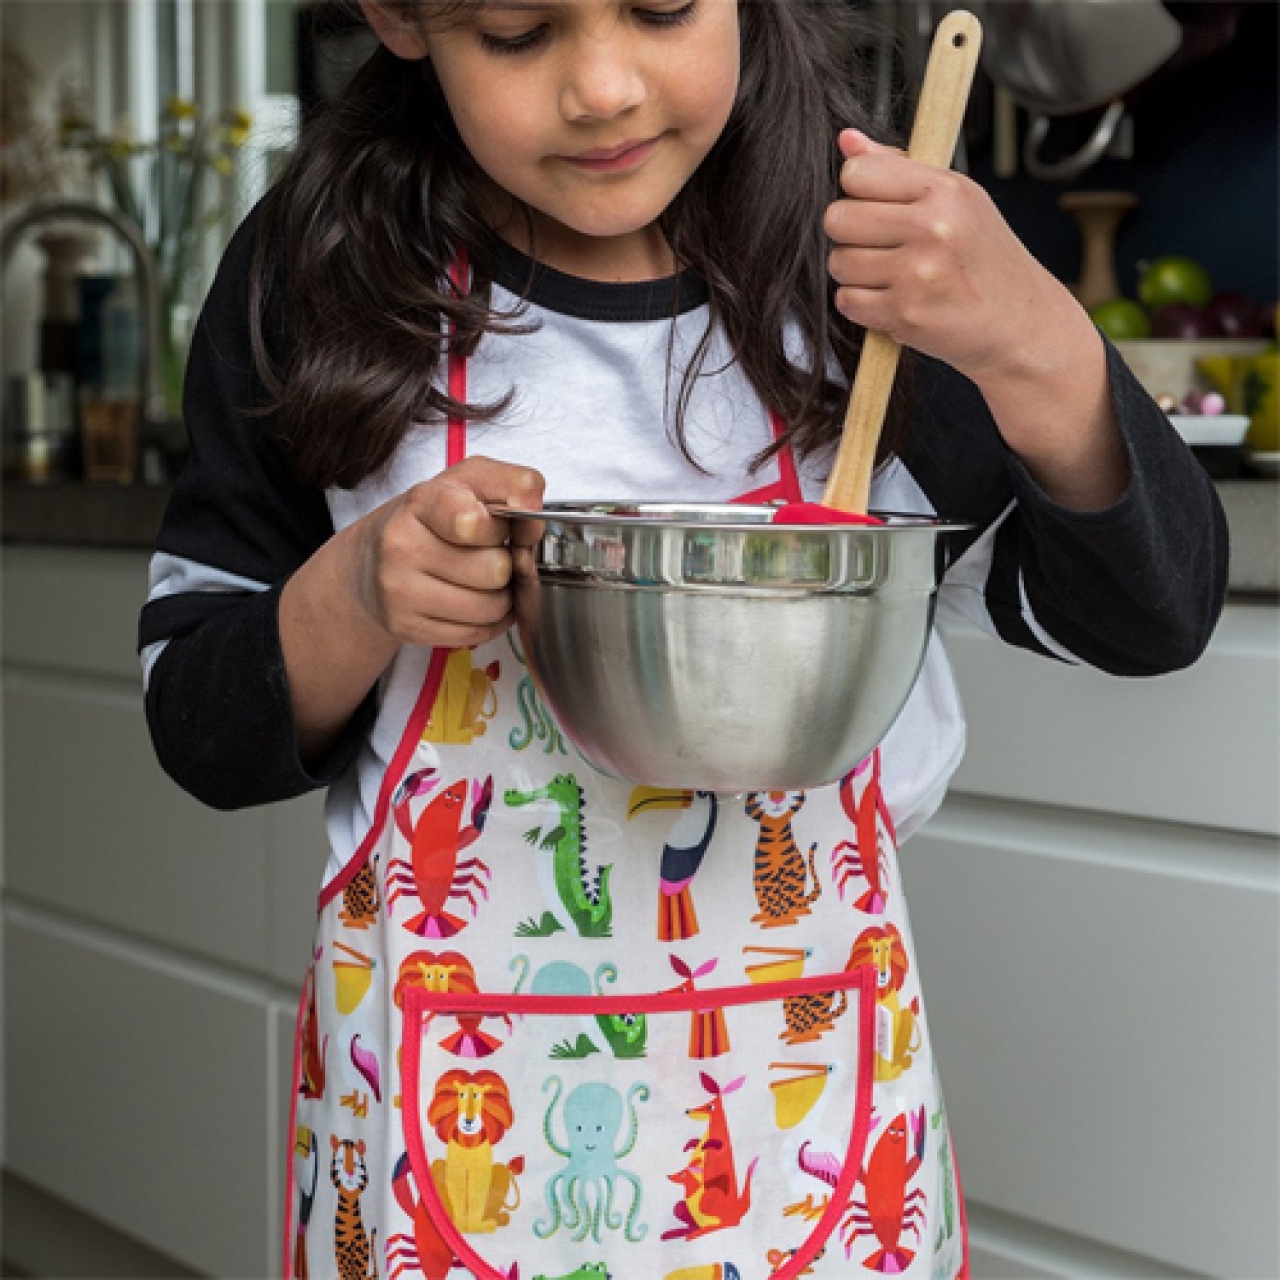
[(560, 1026)]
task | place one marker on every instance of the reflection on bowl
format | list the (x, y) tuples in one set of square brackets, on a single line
[(700, 645)]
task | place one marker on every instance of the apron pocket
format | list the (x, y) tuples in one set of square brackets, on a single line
[(677, 1135)]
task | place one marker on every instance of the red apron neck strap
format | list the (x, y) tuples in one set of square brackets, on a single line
[(787, 487), (456, 444), (786, 460)]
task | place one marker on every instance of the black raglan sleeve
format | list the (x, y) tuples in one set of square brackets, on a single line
[(239, 523), (1134, 590)]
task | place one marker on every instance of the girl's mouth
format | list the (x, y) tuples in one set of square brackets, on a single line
[(627, 155)]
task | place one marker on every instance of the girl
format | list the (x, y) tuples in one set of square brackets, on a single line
[(617, 248)]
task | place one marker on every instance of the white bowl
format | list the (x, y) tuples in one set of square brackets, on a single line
[(1226, 431)]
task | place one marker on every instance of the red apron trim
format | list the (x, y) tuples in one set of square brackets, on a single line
[(964, 1216), (456, 444), (787, 487), (786, 463), (864, 978), (391, 779), (290, 1186)]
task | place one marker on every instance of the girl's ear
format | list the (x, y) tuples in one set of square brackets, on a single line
[(393, 21)]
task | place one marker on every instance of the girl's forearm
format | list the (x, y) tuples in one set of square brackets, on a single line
[(333, 650), (1053, 406)]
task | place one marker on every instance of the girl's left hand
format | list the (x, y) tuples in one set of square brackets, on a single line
[(922, 254)]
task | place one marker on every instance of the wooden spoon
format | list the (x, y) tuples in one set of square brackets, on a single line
[(953, 58)]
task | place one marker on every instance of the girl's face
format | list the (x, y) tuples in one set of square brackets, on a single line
[(592, 113)]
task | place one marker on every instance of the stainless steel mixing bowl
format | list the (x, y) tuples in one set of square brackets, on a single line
[(702, 646)]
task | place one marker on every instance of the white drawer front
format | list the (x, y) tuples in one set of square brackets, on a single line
[(74, 609), (1103, 1000), (1200, 746), (142, 1096), (95, 829)]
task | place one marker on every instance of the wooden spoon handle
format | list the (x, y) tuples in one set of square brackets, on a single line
[(943, 97)]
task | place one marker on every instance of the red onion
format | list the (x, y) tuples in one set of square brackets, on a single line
[(1178, 320)]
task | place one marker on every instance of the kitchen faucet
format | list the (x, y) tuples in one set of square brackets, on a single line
[(151, 399)]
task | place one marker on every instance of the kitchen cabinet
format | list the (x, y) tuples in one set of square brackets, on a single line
[(153, 948), (1095, 908)]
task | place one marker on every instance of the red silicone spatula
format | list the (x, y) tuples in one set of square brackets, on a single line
[(939, 114)]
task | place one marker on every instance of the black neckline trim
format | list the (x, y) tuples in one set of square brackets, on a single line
[(633, 302)]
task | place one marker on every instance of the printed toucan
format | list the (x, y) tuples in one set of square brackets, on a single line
[(682, 855)]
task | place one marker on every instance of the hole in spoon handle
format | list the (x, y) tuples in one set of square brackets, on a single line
[(944, 94)]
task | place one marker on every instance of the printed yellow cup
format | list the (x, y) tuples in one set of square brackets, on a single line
[(784, 965), (796, 1092), (351, 979)]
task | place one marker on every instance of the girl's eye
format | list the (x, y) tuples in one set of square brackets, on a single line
[(667, 17), (514, 44), (528, 40)]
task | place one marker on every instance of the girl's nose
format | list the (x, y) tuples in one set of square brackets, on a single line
[(602, 81)]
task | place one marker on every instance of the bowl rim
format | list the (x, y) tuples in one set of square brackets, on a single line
[(562, 510)]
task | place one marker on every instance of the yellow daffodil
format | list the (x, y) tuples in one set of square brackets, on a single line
[(181, 109), (239, 122)]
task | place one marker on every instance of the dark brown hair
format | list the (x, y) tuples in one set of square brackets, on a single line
[(357, 236)]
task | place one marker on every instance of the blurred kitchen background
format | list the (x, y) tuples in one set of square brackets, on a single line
[(1096, 904)]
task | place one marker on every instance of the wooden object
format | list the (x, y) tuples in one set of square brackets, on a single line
[(943, 97), (1004, 133), (1098, 214)]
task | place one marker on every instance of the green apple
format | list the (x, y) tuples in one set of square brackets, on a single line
[(1121, 319), (1173, 279)]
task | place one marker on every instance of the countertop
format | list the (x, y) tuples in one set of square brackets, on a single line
[(70, 513), (128, 516)]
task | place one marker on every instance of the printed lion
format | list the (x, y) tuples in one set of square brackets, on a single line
[(447, 971), (898, 1034), (470, 1113)]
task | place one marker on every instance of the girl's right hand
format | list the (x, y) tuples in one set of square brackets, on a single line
[(433, 566)]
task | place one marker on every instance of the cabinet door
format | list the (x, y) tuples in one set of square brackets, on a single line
[(1103, 1001), (141, 1091), (155, 947), (95, 829)]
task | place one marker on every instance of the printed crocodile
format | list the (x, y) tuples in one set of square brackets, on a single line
[(585, 898)]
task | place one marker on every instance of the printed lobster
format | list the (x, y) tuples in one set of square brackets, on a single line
[(434, 873), (865, 855), (712, 1198), (885, 1209)]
